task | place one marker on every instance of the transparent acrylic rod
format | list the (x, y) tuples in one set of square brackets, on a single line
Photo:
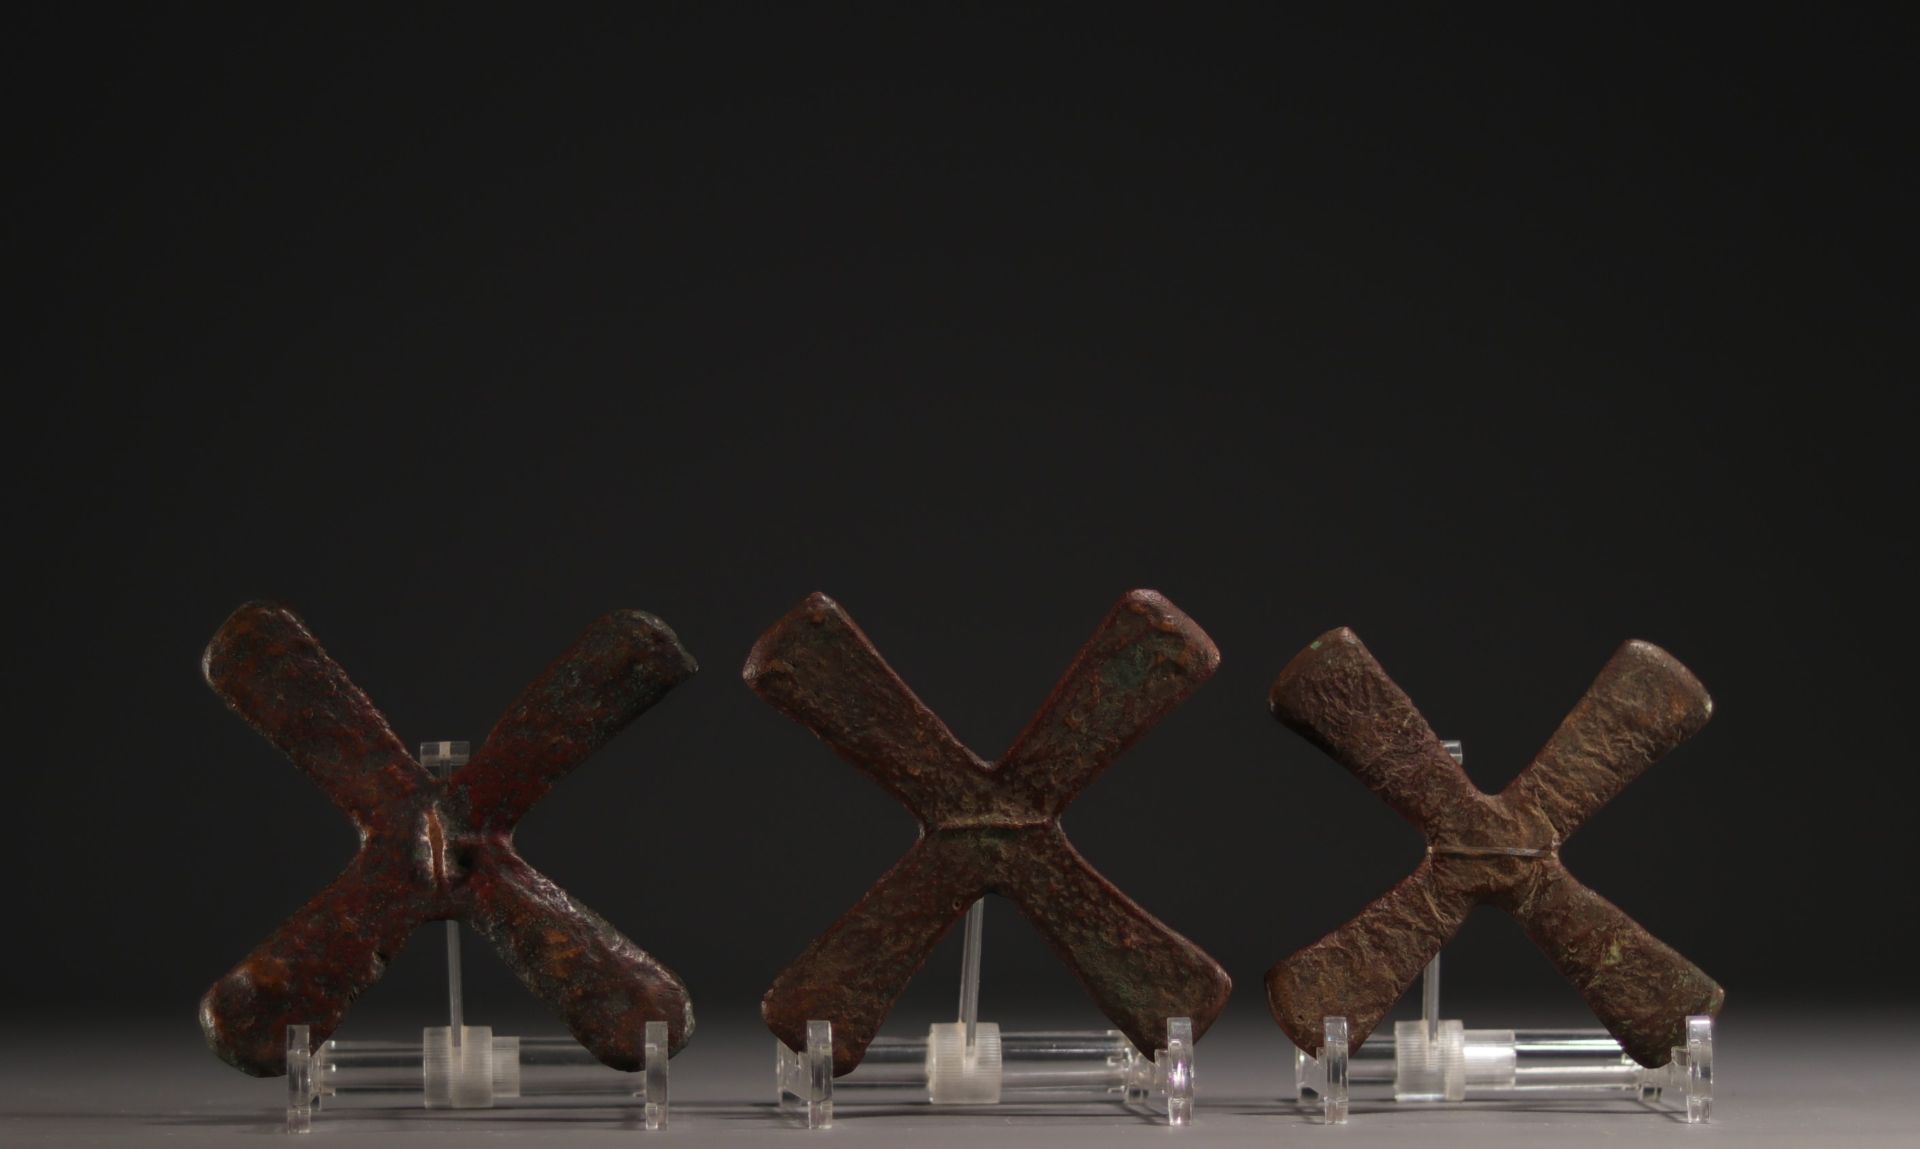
[(1430, 998), (456, 1009), (1502, 1060), (1430, 977), (1024, 1045), (1031, 1061), (970, 971), (549, 1066), (441, 759)]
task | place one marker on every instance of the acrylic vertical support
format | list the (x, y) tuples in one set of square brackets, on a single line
[(804, 1077), (973, 1062), (1173, 1071), (460, 1066), (654, 1065), (300, 1085), (1439, 1060), (1320, 1078)]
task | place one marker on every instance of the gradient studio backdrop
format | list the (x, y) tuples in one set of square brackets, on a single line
[(1501, 337)]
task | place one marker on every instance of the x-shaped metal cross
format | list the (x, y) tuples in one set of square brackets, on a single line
[(988, 828), (435, 849), (1502, 850)]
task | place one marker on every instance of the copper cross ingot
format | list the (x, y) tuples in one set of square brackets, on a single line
[(1501, 850), (435, 849), (988, 828)]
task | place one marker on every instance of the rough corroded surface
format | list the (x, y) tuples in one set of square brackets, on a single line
[(988, 828), (1501, 850), (433, 849)]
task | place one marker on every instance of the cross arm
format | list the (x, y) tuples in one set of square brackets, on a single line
[(1359, 970), (268, 667), (1145, 658), (307, 972), (1337, 696), (1643, 704), (1639, 987), (1139, 971), (852, 974), (604, 986), (818, 668), (623, 664), (1364, 967)]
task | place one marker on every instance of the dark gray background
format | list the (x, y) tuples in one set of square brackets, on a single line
[(1500, 336)]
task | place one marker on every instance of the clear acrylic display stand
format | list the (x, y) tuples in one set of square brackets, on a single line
[(460, 1066), (1435, 1060), (971, 1062)]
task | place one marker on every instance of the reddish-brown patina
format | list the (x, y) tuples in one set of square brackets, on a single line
[(1502, 850), (435, 849), (988, 828)]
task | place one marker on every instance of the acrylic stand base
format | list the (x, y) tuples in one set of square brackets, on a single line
[(480, 1072), (460, 1066), (971, 1062), (1459, 1064), (1435, 1060), (1026, 1067)]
